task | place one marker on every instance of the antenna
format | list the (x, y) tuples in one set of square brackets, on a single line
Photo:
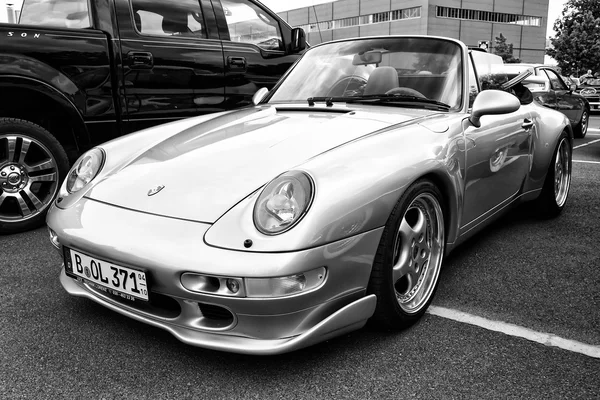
[(317, 19)]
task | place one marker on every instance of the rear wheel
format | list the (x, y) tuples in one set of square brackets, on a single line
[(32, 166), (554, 194), (582, 127), (409, 258)]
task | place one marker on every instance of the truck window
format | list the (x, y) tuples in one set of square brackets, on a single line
[(250, 24), (56, 13), (168, 18)]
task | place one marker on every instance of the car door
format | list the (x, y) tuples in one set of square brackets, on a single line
[(256, 46), (172, 60), (567, 103), (497, 162), (543, 93)]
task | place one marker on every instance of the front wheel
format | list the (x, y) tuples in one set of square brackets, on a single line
[(555, 191), (409, 258), (32, 166), (582, 127)]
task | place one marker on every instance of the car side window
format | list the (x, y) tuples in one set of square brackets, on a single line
[(555, 81), (169, 18), (248, 23)]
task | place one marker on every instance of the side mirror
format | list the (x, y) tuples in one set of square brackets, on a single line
[(298, 40), (259, 95), (493, 102), (573, 87)]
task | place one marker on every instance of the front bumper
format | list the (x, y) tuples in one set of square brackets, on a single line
[(166, 248)]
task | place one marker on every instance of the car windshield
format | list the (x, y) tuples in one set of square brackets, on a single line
[(406, 71), (56, 13), (590, 82)]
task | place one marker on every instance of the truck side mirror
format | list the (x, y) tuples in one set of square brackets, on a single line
[(298, 40)]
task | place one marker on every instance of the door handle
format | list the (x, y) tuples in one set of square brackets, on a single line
[(238, 63), (140, 59), (527, 124)]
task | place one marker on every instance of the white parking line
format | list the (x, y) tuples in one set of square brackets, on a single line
[(586, 162), (586, 144), (546, 339)]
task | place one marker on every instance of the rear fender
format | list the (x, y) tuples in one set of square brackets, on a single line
[(550, 126)]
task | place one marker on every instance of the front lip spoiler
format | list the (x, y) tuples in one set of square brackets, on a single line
[(349, 318)]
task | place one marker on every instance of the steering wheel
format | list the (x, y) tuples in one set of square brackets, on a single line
[(348, 84), (406, 91)]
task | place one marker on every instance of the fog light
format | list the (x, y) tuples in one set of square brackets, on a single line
[(286, 285), (54, 238), (217, 285), (233, 285)]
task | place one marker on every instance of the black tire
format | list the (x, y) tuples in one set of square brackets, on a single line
[(555, 191), (582, 127), (33, 165), (404, 289)]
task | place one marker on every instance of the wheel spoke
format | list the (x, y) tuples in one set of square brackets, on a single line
[(3, 196), (24, 207), (11, 147), (25, 143), (48, 164), (403, 266), (36, 202), (44, 178)]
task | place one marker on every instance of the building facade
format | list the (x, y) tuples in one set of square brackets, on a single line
[(9, 13), (474, 22)]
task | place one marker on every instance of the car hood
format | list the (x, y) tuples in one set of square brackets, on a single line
[(205, 170)]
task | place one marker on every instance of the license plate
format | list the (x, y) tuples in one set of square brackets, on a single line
[(112, 278)]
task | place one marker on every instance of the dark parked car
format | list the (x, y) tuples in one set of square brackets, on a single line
[(553, 92), (76, 73), (590, 89)]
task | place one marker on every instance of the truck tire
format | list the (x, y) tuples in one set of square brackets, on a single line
[(33, 165)]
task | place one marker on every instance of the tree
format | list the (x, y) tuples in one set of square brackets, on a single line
[(504, 50), (576, 46)]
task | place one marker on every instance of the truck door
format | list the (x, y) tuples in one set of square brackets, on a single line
[(256, 46), (172, 61)]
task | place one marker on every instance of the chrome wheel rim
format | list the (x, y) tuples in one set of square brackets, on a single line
[(562, 172), (418, 253), (584, 123), (28, 177)]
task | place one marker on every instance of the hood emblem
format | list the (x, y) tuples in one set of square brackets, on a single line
[(155, 190)]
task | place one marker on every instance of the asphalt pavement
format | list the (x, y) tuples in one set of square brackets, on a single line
[(541, 275)]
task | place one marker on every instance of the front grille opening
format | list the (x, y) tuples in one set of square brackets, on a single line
[(216, 316)]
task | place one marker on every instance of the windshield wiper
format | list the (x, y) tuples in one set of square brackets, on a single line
[(379, 98)]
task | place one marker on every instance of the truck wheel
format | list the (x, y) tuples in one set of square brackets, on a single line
[(32, 167)]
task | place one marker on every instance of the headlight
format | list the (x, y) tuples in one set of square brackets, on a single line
[(84, 170), (283, 202)]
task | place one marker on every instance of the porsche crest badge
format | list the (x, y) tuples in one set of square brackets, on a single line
[(155, 190)]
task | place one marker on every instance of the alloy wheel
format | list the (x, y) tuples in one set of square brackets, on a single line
[(562, 172), (28, 177), (418, 253)]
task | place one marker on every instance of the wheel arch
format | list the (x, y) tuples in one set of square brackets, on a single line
[(35, 101), (450, 201)]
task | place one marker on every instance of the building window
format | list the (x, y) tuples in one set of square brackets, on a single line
[(487, 16), (381, 17), (407, 13)]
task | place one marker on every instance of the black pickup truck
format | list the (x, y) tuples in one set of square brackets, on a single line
[(76, 73)]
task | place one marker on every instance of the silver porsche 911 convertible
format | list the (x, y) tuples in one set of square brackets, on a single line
[(332, 201)]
